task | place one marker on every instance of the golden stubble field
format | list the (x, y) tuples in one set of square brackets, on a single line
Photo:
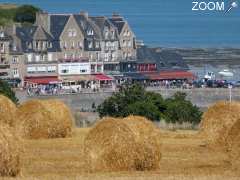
[(184, 156)]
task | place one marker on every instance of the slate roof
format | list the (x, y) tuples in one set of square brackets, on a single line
[(163, 58), (86, 24), (102, 22), (57, 24), (119, 22)]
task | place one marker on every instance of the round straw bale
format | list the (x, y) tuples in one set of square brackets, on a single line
[(233, 145), (218, 121), (110, 146), (62, 116), (37, 120), (147, 138), (7, 110), (9, 152)]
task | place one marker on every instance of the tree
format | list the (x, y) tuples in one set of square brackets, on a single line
[(7, 91), (26, 14), (133, 100), (181, 110)]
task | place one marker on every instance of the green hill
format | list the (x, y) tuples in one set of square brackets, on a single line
[(10, 13)]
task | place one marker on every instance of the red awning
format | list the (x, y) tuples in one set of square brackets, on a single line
[(171, 75), (102, 77), (42, 80)]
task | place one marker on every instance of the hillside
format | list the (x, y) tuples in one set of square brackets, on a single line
[(10, 13)]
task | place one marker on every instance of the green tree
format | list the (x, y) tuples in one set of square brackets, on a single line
[(133, 99), (6, 90), (181, 110), (26, 14)]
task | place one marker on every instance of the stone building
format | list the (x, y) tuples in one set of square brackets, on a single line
[(64, 45)]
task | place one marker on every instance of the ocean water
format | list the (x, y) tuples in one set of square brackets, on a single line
[(165, 23)]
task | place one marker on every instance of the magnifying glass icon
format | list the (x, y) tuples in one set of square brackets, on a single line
[(234, 4)]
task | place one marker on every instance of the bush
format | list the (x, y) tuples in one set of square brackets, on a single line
[(132, 100), (6, 90), (135, 100), (181, 110)]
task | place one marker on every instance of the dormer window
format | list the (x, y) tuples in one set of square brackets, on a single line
[(106, 34), (70, 33), (49, 45), (90, 32), (74, 33), (97, 44), (29, 45), (90, 45), (2, 34), (14, 47)]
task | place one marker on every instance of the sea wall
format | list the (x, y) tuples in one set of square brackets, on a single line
[(200, 97)]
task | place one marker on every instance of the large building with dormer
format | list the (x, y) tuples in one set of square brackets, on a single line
[(65, 46)]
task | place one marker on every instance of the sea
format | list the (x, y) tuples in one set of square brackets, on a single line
[(163, 23)]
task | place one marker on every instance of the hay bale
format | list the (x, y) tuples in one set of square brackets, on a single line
[(233, 145), (62, 116), (37, 119), (7, 110), (110, 146), (218, 121), (9, 152), (147, 138)]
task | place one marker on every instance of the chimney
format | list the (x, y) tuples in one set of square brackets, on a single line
[(115, 15), (84, 13), (43, 19)]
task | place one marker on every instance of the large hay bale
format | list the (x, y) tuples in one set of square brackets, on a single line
[(147, 138), (233, 145), (110, 146), (7, 110), (9, 152), (218, 121), (62, 116), (37, 119)]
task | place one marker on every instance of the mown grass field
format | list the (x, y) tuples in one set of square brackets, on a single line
[(184, 156)]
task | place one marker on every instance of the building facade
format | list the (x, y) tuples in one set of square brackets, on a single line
[(65, 45)]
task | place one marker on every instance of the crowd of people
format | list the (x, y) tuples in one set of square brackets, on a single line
[(56, 89)]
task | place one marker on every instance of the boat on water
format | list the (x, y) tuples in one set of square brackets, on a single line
[(226, 73)]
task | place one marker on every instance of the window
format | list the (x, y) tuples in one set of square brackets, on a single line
[(65, 56), (74, 33), (90, 45), (64, 71), (70, 33), (73, 44), (51, 68), (41, 69), (37, 58), (129, 43), (90, 32), (29, 57), (65, 44), (83, 70), (15, 60), (42, 58), (49, 56), (80, 44), (2, 47), (49, 45), (106, 57), (31, 69), (15, 72), (124, 43), (97, 44)]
